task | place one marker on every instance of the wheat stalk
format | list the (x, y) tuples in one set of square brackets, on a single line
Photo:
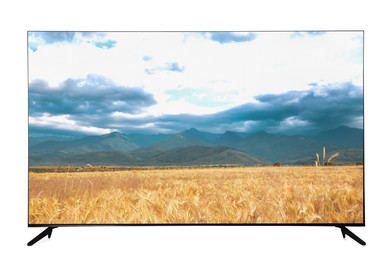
[(323, 155), (333, 156), (318, 159)]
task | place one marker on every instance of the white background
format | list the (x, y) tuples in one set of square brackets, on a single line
[(190, 242)]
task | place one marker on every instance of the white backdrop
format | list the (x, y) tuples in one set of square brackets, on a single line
[(190, 242)]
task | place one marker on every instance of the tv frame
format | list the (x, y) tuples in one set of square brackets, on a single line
[(343, 226)]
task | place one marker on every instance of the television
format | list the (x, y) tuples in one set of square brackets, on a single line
[(195, 128)]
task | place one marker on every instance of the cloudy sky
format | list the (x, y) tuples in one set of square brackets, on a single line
[(164, 82)]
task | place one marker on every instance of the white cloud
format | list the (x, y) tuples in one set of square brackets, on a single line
[(63, 122), (293, 121)]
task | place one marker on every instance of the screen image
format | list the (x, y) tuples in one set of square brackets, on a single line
[(256, 127)]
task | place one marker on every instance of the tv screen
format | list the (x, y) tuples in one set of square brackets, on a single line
[(195, 127)]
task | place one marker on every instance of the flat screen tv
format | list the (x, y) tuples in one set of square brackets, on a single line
[(205, 128)]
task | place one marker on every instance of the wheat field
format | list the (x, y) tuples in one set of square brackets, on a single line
[(199, 195)]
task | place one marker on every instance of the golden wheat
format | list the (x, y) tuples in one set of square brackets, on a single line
[(217, 195)]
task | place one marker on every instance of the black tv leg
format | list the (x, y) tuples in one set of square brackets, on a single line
[(346, 231), (46, 232)]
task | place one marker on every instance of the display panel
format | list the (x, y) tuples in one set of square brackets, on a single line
[(196, 127)]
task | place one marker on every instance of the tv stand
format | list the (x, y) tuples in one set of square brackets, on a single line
[(46, 232), (346, 231)]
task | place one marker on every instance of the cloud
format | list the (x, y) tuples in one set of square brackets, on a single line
[(62, 125), (105, 45), (174, 66), (302, 34), (319, 108), (171, 66), (218, 80), (230, 37), (315, 33), (93, 95), (295, 112), (147, 58), (150, 71), (97, 39), (82, 105), (52, 37)]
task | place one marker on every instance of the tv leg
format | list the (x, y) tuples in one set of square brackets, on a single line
[(345, 231), (46, 232)]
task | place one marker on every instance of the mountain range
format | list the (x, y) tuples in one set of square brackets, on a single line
[(194, 147)]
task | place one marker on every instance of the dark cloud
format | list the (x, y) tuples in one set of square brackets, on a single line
[(295, 112), (36, 130), (315, 109), (94, 95), (230, 37)]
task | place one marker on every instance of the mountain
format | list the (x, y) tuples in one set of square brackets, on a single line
[(296, 149), (192, 147), (346, 156), (33, 140), (342, 136), (230, 139), (110, 142), (93, 158), (142, 140), (190, 137), (194, 155), (204, 155), (271, 147), (350, 156), (101, 158), (194, 133)]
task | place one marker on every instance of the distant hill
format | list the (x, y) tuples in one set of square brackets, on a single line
[(34, 140), (190, 137), (272, 147), (103, 143), (102, 158), (229, 139), (347, 156), (192, 147), (204, 155), (146, 140), (93, 158), (194, 155), (278, 147), (342, 136)]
